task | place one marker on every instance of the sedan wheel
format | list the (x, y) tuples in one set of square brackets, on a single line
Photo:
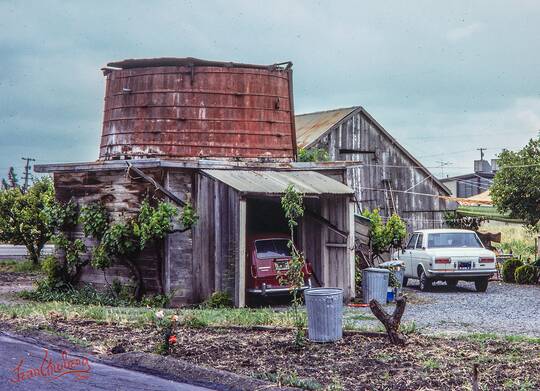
[(405, 280), (425, 282), (481, 284)]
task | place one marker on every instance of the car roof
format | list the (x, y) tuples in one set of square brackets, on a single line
[(442, 230)]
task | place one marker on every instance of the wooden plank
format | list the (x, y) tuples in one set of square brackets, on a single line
[(242, 255)]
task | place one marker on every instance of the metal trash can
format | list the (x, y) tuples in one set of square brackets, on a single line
[(324, 314), (375, 284)]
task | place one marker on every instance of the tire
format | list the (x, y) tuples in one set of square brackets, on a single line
[(425, 282), (405, 280), (481, 284), (451, 283)]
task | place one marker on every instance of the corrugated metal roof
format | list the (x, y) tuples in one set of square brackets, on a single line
[(309, 127), (275, 182)]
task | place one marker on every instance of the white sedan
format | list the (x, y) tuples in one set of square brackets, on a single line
[(447, 255)]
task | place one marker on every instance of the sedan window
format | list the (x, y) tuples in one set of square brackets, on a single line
[(454, 239), (420, 241), (272, 248), (412, 241)]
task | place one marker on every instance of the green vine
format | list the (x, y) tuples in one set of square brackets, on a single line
[(95, 220), (293, 207), (189, 216)]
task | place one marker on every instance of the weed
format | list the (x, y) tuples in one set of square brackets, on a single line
[(431, 364)]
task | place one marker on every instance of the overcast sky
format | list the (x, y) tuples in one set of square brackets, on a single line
[(444, 78)]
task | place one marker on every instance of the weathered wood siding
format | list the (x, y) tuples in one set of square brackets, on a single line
[(122, 195), (216, 239), (329, 253), (382, 160)]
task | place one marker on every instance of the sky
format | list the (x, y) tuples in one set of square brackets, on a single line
[(444, 78)]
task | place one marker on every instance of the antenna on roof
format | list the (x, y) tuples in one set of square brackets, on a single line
[(481, 152), (442, 164)]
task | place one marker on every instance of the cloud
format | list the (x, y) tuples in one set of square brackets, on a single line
[(463, 32)]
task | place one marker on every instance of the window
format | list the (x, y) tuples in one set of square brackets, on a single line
[(412, 241), (454, 239), (272, 248), (420, 241)]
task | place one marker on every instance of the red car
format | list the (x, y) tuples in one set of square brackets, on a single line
[(268, 258)]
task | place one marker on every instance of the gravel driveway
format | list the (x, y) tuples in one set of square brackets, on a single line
[(504, 309)]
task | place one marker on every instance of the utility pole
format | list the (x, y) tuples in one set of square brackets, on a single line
[(27, 174), (481, 152), (442, 164)]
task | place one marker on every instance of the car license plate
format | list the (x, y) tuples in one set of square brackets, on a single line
[(464, 265), (282, 265)]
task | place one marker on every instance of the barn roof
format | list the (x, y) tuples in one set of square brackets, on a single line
[(311, 127), (275, 182)]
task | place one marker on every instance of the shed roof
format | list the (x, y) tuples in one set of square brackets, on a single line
[(275, 182), (311, 127)]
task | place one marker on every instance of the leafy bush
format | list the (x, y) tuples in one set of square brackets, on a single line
[(526, 274), (509, 268), (313, 155), (536, 263), (218, 300), (384, 236), (53, 270)]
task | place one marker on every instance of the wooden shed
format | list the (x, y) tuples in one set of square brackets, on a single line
[(233, 201), (381, 171)]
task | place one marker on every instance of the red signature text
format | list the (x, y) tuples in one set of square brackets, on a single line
[(78, 367)]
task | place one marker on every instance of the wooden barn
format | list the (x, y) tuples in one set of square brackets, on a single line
[(386, 176)]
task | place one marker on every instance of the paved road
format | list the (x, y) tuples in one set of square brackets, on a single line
[(8, 251), (506, 309), (24, 366)]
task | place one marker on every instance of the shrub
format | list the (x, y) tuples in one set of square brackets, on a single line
[(509, 268), (526, 274), (218, 300), (53, 270), (537, 263)]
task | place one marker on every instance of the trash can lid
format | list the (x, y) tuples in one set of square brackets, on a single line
[(323, 291), (376, 270), (392, 263)]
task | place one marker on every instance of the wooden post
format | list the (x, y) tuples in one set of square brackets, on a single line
[(351, 252), (241, 286)]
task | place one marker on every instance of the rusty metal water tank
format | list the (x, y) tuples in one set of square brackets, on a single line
[(176, 108)]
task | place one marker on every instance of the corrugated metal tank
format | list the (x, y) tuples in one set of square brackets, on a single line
[(189, 108)]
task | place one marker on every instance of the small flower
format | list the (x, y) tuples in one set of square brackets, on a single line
[(160, 314), (172, 339), (175, 318)]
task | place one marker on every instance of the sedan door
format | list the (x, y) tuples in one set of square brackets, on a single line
[(417, 255), (407, 254)]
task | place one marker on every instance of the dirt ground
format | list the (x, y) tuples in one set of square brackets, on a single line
[(357, 362), (11, 283)]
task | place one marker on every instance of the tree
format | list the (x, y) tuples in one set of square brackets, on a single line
[(516, 186), (12, 181), (293, 207), (382, 236), (22, 217), (122, 241)]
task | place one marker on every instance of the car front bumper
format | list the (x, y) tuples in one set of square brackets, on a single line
[(264, 290), (461, 273)]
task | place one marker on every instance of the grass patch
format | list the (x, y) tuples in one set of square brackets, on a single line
[(13, 266), (88, 295), (289, 379)]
